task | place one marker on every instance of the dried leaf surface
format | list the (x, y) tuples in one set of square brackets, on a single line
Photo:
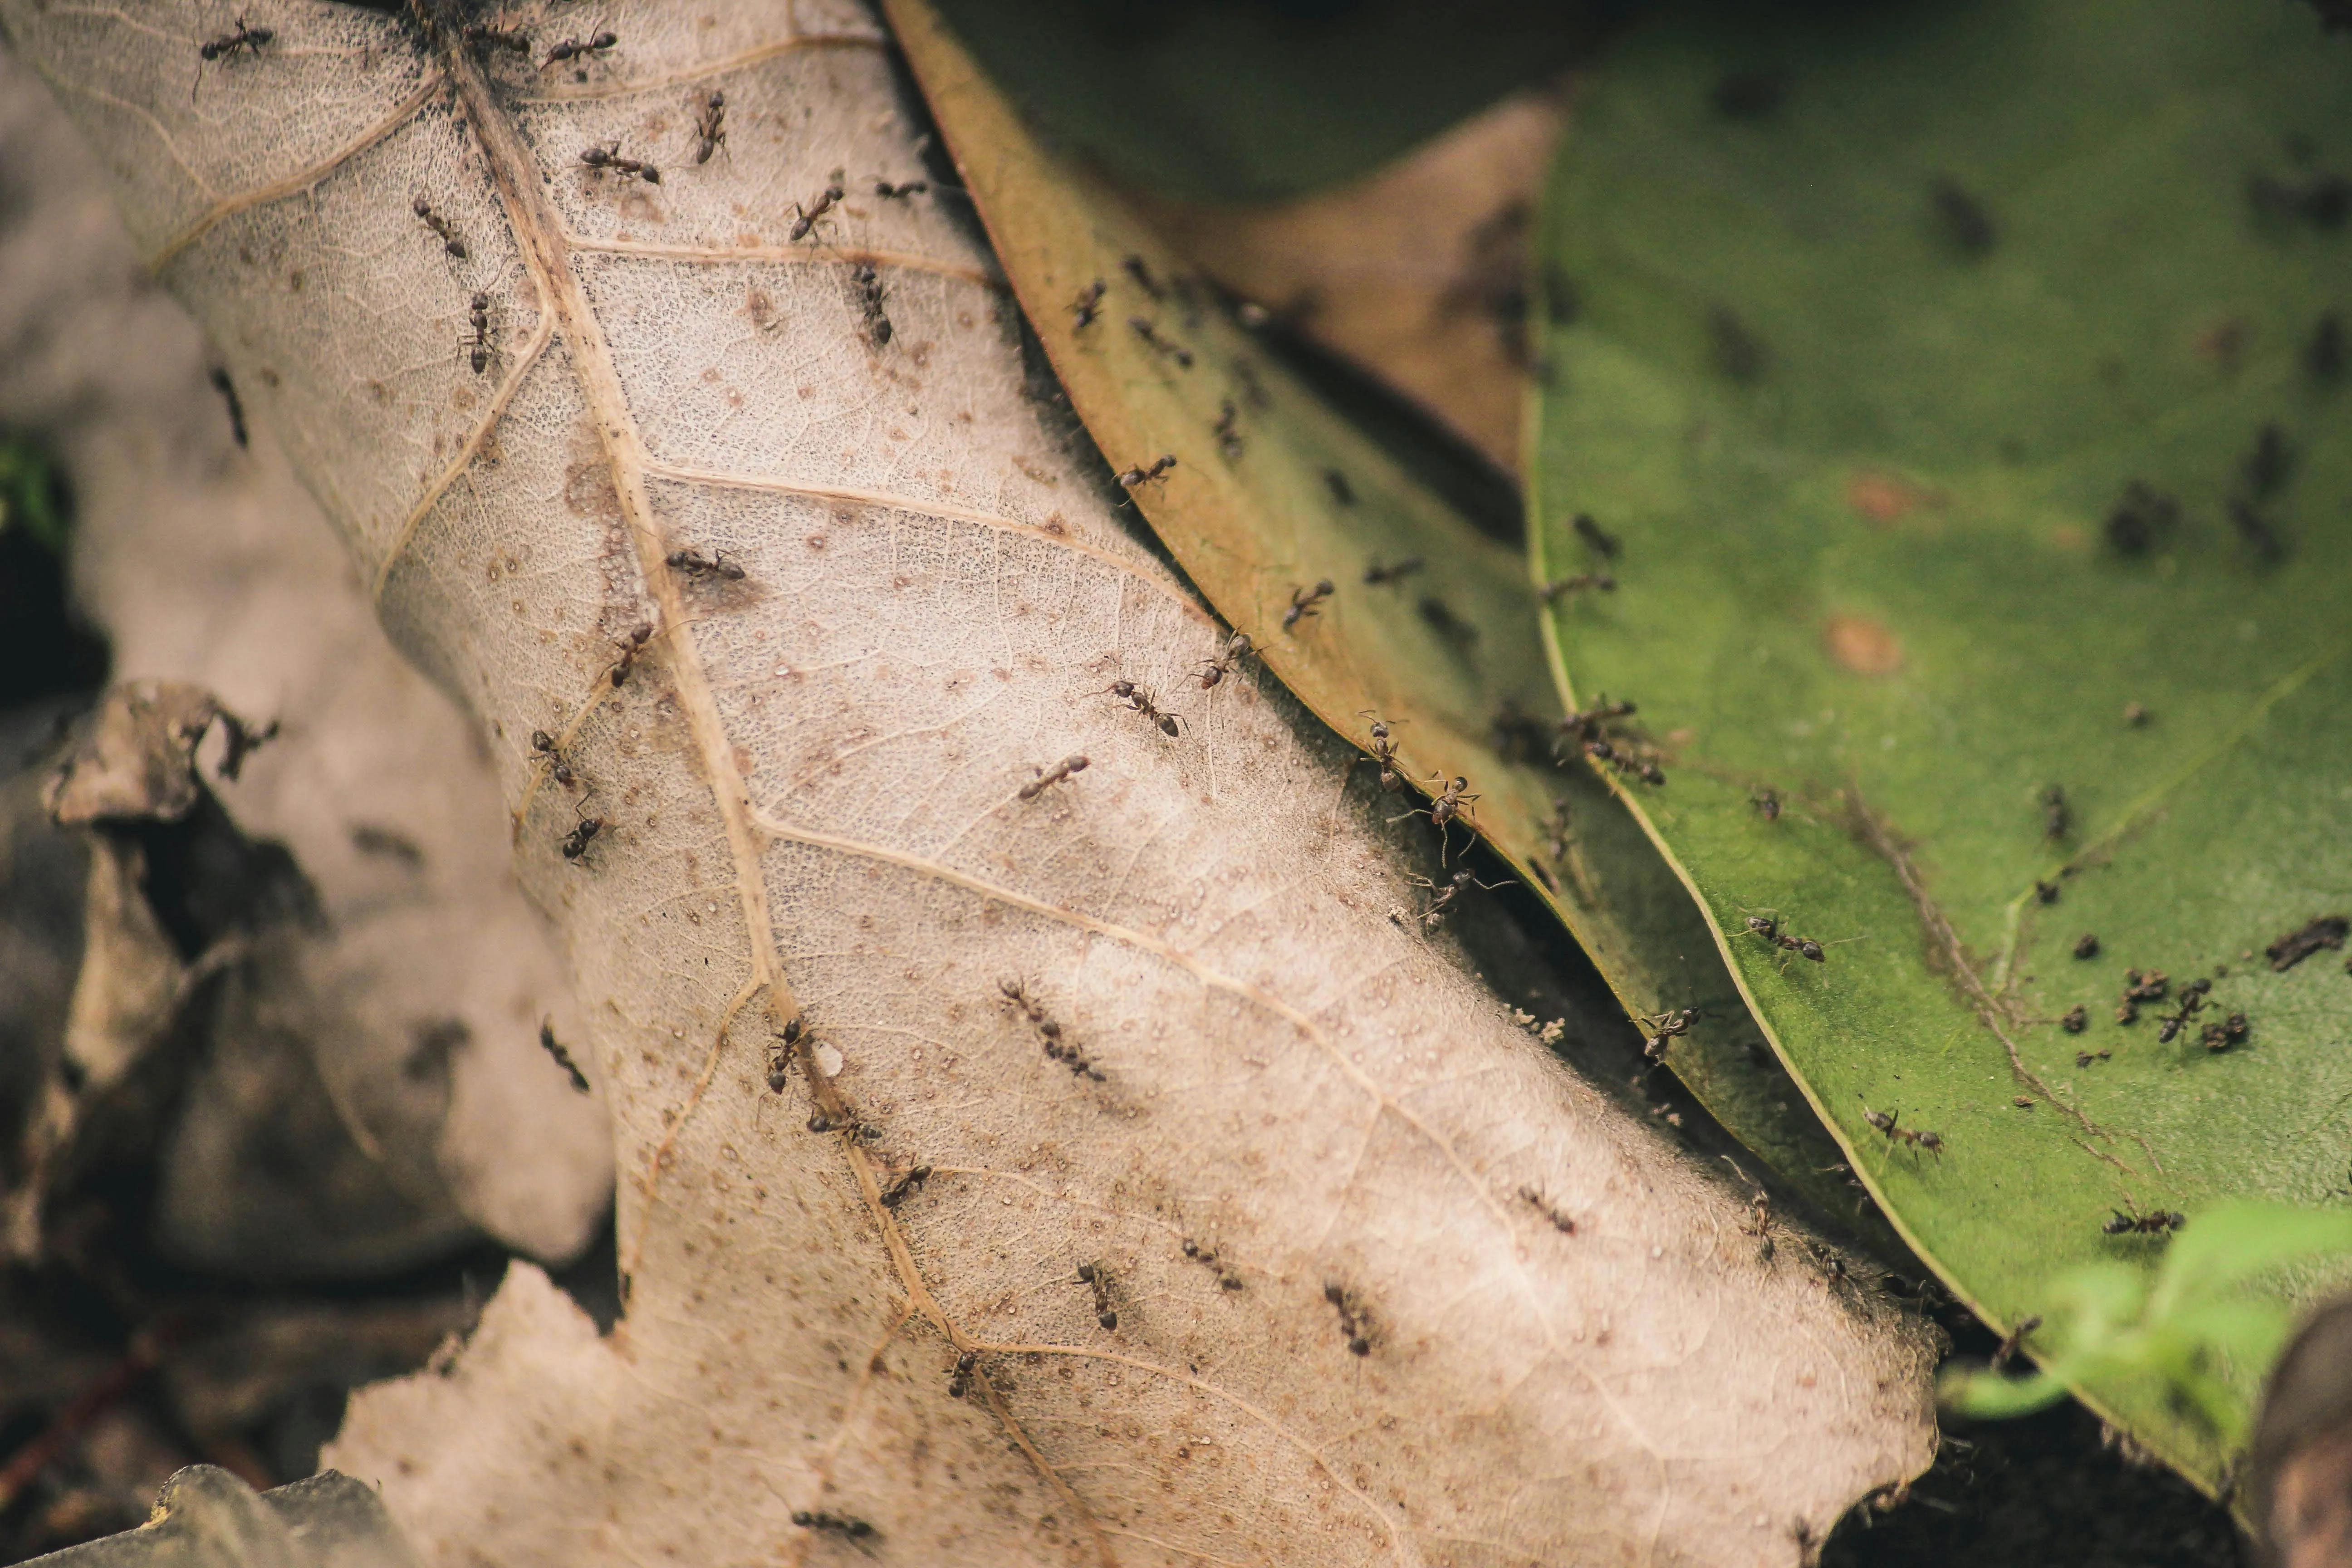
[(808, 791)]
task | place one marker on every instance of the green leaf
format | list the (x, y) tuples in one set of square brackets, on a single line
[(1885, 312), (1449, 656)]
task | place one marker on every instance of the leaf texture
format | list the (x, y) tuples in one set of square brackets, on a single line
[(1306, 1161)]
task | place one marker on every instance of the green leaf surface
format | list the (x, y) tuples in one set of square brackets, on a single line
[(1884, 311), (1448, 655)]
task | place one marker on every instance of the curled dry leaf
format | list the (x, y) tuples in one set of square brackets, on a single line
[(820, 937)]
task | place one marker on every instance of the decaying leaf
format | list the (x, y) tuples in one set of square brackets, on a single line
[(1018, 1171)]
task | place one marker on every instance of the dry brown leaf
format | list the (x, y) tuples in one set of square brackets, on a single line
[(1331, 1316)]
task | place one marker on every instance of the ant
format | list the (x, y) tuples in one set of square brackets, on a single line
[(576, 842), (1229, 439), (492, 37), (1770, 930), (629, 646), (2014, 1340), (553, 1047), (1140, 271), (439, 225), (557, 768), (805, 218), (1556, 831), (2191, 1001), (573, 48), (1603, 750), (779, 1056), (1049, 777), (601, 158), (478, 316), (1767, 804), (1209, 671), (1153, 340), (1136, 698), (1598, 581), (848, 1526), (868, 284), (2056, 818), (718, 563), (709, 126), (1384, 754), (960, 1384), (1759, 1223), (1131, 477), (2156, 1222), (1562, 1222), (902, 1185), (899, 192), (1342, 492), (1666, 1026), (1443, 899), (1604, 545), (225, 46), (1450, 800), (1375, 574), (1353, 1319), (1099, 1278), (1305, 602), (1884, 1121), (1049, 1031), (1086, 306)]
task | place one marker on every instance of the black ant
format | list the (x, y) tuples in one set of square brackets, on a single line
[(1441, 898), (1352, 1320), (629, 646), (2156, 1222), (1884, 1121), (1099, 1278), (1144, 329), (1207, 1257), (848, 1526), (1049, 1032), (780, 1055), (491, 37), (903, 1185), (1140, 271), (960, 1384), (1305, 602), (1642, 768), (1376, 574), (557, 768), (709, 126), (1666, 1026), (1452, 799), (1770, 930), (1086, 306), (574, 48), (870, 292), (555, 1048), (601, 158), (2189, 1003), (805, 218), (1131, 477), (1384, 754), (899, 192), (1209, 671), (576, 842), (1136, 698), (1596, 581), (1049, 777), (478, 346), (1604, 545), (1229, 439), (439, 225), (718, 563), (226, 46)]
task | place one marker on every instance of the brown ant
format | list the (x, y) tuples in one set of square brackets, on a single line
[(960, 1385), (1770, 930), (1602, 543), (1597, 582), (1138, 269), (226, 46), (718, 563), (1209, 671), (479, 347), (1352, 1320), (870, 292), (1884, 1121), (1150, 333), (1136, 698), (629, 646), (1099, 1278), (904, 1184), (1666, 1026), (491, 37), (901, 191), (805, 218), (1306, 602), (1443, 899), (574, 48), (576, 842), (439, 225), (609, 157), (2190, 1001), (2230, 1031), (555, 1048), (1131, 477), (557, 768), (847, 1526), (1384, 754), (1229, 439), (709, 126), (1049, 777), (1087, 305), (2156, 1222), (1375, 574)]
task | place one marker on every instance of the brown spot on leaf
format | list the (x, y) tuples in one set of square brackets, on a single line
[(1861, 645), (1881, 497)]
